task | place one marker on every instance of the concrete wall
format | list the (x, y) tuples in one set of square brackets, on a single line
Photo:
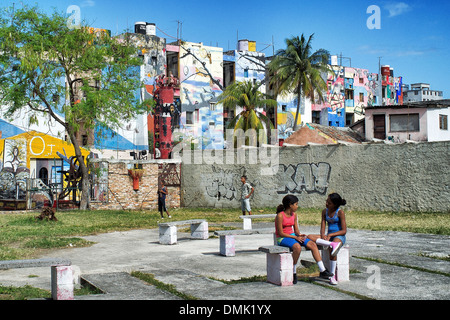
[(381, 177)]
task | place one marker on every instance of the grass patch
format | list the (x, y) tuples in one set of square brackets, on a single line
[(242, 280), (150, 279), (23, 293)]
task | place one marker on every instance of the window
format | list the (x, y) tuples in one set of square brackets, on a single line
[(443, 122), (361, 97), (404, 122), (245, 73), (189, 117)]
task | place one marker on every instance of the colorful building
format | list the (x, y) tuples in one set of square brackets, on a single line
[(33, 160)]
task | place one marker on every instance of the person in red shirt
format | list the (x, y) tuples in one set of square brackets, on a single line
[(288, 235)]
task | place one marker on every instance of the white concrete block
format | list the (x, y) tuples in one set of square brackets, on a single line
[(200, 231), (247, 224), (62, 282), (167, 234)]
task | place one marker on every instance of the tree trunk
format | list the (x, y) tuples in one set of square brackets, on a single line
[(85, 187), (299, 97)]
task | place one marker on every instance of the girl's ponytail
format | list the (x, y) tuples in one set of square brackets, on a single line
[(280, 208)]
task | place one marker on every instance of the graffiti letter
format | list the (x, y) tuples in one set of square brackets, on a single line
[(321, 173), (374, 21), (74, 20), (284, 176)]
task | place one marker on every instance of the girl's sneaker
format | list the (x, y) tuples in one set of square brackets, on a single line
[(333, 280), (336, 247)]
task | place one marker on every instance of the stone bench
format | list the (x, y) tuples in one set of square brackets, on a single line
[(279, 264), (168, 230), (247, 219), (227, 241), (61, 274)]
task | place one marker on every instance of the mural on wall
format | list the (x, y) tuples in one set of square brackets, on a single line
[(201, 75), (43, 158), (201, 82), (365, 86), (303, 177), (250, 65), (225, 184), (14, 171), (286, 110)]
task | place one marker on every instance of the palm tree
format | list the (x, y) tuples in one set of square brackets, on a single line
[(248, 96), (297, 70)]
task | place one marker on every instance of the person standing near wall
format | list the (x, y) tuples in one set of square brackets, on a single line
[(246, 191), (162, 193)]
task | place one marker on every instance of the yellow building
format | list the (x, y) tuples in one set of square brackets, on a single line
[(33, 157)]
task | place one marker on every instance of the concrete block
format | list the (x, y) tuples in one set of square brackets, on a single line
[(280, 269), (247, 224), (62, 282), (167, 234), (342, 264), (227, 246), (200, 230)]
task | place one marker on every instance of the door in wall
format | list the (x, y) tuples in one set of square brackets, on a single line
[(379, 126)]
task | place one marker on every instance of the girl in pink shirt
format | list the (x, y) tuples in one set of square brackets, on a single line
[(288, 235)]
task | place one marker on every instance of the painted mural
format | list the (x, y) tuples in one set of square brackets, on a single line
[(250, 65), (365, 86), (201, 82), (286, 110), (36, 156)]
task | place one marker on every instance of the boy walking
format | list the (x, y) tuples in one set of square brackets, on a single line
[(246, 192), (162, 193)]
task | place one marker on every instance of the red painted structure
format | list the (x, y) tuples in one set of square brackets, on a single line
[(164, 96)]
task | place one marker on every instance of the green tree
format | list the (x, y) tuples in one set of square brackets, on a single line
[(78, 77), (297, 70), (248, 96)]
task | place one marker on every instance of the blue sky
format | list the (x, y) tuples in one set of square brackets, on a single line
[(414, 37)]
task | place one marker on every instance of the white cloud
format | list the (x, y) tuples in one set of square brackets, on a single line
[(88, 3), (397, 8)]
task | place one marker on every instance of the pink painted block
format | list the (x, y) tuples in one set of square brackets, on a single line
[(279, 269), (62, 282)]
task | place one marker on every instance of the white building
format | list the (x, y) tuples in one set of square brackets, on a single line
[(416, 121), (420, 92)]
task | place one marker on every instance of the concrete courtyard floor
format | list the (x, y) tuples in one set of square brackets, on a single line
[(407, 268)]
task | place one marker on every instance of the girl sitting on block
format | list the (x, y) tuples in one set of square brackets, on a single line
[(334, 216), (288, 235)]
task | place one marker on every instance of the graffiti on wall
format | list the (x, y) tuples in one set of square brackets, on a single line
[(14, 171), (225, 184), (303, 177)]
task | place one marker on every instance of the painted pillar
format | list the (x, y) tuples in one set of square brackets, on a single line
[(163, 120)]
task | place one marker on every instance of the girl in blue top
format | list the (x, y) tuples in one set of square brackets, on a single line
[(334, 216)]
